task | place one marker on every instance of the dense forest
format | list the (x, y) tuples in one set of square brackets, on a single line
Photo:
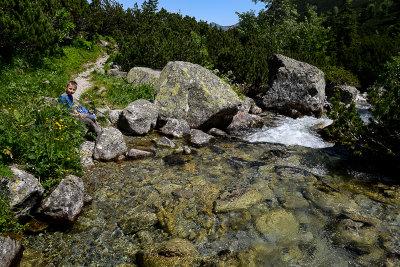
[(353, 42)]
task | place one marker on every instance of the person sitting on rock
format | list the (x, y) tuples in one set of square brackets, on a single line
[(77, 110)]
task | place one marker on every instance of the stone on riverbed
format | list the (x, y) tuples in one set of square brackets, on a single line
[(217, 132), (139, 117), (239, 199), (200, 138), (110, 145), (24, 191), (191, 92), (165, 142), (176, 252), (278, 225), (131, 224), (65, 203), (10, 252), (139, 154), (243, 121)]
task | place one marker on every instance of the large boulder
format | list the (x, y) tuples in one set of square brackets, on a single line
[(295, 87), (191, 92), (10, 252), (139, 117), (24, 192), (141, 75), (110, 145), (65, 203)]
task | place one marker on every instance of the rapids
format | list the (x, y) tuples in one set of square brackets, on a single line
[(232, 203)]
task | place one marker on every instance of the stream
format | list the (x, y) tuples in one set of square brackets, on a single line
[(280, 196)]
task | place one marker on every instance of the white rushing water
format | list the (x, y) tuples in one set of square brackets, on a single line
[(290, 131)]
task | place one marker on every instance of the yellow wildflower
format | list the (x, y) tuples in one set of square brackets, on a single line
[(68, 158), (13, 188)]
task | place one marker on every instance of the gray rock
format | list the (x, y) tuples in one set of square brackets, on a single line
[(114, 115), (25, 192), (296, 87), (65, 203), (10, 252), (348, 94), (217, 132), (176, 128), (256, 110), (141, 75), (139, 117), (191, 92), (243, 121), (103, 43), (165, 142), (110, 145), (116, 73), (138, 154), (134, 223), (245, 105), (86, 154), (184, 149), (200, 138)]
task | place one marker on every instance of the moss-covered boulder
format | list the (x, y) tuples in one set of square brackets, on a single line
[(191, 92), (141, 75)]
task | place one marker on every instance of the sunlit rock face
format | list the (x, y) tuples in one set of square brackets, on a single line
[(191, 92), (296, 88)]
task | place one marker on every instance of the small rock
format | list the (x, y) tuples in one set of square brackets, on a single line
[(176, 128), (10, 252), (116, 73), (165, 142), (138, 154), (243, 121), (184, 149), (217, 132), (200, 138), (114, 115)]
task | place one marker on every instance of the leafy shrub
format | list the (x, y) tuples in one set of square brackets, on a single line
[(335, 75), (8, 223), (80, 42)]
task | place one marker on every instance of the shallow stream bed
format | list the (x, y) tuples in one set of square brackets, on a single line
[(232, 203)]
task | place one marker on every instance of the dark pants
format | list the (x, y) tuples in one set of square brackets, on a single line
[(91, 123)]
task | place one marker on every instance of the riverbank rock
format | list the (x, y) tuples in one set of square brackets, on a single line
[(24, 191), (10, 252), (200, 138), (116, 73), (191, 92), (139, 117), (295, 87), (114, 114), (140, 75), (243, 121), (65, 203), (176, 128), (239, 199), (110, 145), (217, 132), (348, 94), (86, 154)]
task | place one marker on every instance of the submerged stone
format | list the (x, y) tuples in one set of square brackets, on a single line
[(239, 199)]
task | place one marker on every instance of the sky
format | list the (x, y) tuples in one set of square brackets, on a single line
[(221, 12)]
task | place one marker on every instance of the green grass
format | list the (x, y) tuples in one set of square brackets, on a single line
[(118, 93)]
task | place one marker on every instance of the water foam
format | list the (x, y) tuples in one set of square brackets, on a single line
[(293, 132)]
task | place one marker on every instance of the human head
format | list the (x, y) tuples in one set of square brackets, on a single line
[(71, 87)]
